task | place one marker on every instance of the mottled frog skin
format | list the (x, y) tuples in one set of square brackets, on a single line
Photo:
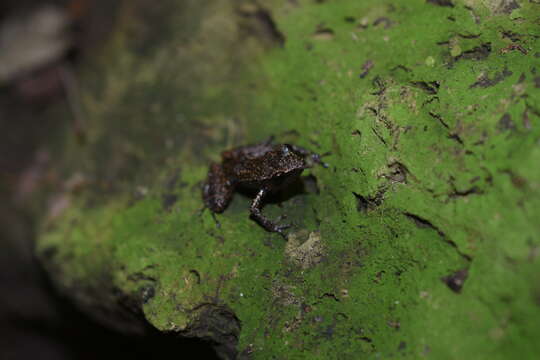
[(264, 167)]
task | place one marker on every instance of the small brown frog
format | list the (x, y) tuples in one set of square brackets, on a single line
[(264, 167)]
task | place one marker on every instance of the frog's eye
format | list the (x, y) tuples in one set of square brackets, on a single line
[(285, 150)]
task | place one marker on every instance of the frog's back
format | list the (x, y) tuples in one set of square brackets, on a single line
[(250, 170), (246, 152), (268, 169)]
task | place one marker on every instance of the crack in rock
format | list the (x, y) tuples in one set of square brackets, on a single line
[(424, 223), (484, 81)]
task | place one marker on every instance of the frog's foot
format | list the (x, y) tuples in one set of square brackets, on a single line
[(279, 229), (218, 224), (313, 157), (267, 224), (317, 159), (273, 227)]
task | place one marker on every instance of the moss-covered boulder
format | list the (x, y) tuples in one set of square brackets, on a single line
[(420, 240)]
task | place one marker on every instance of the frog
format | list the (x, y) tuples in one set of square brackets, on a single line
[(265, 168)]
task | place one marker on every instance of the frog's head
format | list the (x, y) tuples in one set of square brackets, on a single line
[(288, 160)]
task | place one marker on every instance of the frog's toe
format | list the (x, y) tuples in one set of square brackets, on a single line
[(317, 159), (280, 229)]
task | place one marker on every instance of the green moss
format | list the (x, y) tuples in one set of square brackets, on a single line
[(433, 154)]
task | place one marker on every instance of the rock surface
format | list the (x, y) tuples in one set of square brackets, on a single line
[(421, 239)]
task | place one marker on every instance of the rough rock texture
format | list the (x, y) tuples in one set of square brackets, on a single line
[(421, 239)]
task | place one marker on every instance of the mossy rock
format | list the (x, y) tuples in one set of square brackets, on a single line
[(420, 240)]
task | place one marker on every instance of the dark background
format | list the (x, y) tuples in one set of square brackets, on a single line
[(36, 322)]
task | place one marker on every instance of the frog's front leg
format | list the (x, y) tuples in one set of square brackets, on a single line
[(217, 190), (256, 213), (316, 158)]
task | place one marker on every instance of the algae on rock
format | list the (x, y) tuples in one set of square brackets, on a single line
[(423, 234)]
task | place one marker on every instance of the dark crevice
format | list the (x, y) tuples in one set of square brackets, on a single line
[(516, 37), (379, 276), (513, 47), (217, 325), (512, 36), (147, 293), (469, 36), (464, 193), (398, 172), (366, 67), (329, 296), (526, 119), (456, 138), (456, 280), (384, 21), (196, 274), (529, 109), (341, 316), (445, 3), (140, 276), (380, 85), (455, 193), (374, 111), (475, 16), (505, 123), (379, 136), (484, 81), (168, 200), (323, 33), (507, 6), (430, 100), (424, 223), (430, 87), (480, 52), (400, 67), (452, 135), (364, 204), (439, 118), (264, 24)]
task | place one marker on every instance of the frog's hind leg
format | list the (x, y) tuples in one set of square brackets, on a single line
[(217, 190), (266, 223)]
